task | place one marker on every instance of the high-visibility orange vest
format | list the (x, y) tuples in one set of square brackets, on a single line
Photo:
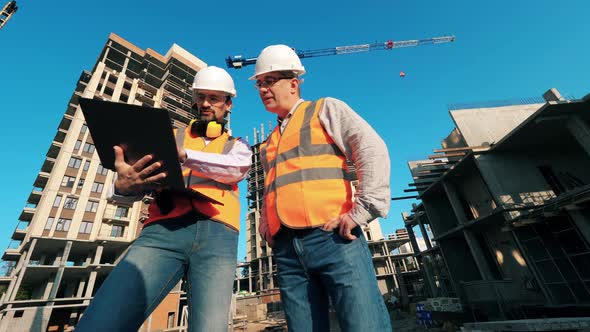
[(306, 178), (228, 194)]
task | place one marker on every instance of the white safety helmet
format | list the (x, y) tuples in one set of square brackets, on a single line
[(216, 79), (278, 58)]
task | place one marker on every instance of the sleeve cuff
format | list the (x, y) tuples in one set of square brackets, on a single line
[(360, 216)]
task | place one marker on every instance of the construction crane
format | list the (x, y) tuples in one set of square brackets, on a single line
[(7, 12), (238, 61)]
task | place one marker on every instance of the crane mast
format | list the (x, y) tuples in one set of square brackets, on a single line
[(6, 13)]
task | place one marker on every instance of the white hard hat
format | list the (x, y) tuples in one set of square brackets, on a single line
[(278, 58), (216, 79)]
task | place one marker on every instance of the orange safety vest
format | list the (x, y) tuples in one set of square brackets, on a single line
[(228, 194), (307, 182)]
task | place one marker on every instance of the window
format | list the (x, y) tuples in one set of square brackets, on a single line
[(101, 170), (56, 201), (97, 187), (70, 203), (121, 212), (117, 231), (63, 225), (170, 319), (80, 183), (86, 165), (68, 181), (83, 129), (19, 313), (78, 144), (74, 162), (49, 223), (88, 148), (91, 206), (86, 227)]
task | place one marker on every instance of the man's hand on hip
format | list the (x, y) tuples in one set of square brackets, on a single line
[(345, 225)]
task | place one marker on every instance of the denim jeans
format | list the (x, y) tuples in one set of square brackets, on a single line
[(315, 266), (203, 251)]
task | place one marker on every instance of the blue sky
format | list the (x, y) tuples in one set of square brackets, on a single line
[(504, 50)]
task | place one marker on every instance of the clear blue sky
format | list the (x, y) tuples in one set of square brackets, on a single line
[(504, 49)]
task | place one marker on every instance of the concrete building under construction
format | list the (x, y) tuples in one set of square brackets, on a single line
[(69, 237), (508, 201)]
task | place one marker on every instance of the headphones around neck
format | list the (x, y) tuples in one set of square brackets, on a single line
[(209, 128)]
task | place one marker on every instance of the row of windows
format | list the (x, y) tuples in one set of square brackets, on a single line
[(77, 162), (72, 202), (63, 225), (68, 182), (88, 147)]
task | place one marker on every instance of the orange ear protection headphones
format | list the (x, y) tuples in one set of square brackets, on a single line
[(209, 129)]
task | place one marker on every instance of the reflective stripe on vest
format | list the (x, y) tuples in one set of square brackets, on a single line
[(307, 181), (228, 194)]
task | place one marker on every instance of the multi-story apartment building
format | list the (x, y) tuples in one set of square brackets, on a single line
[(69, 236), (509, 212)]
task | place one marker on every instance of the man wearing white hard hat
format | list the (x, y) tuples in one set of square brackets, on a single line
[(311, 216), (184, 236)]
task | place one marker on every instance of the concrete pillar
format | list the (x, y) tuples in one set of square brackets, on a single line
[(48, 288), (13, 287), (581, 131), (402, 287), (133, 91), (413, 241), (81, 286), (260, 275), (426, 264), (455, 202), (98, 254), (158, 97), (250, 279), (474, 246), (272, 284), (95, 79), (582, 223), (478, 255), (424, 233), (60, 271), (90, 288), (119, 85)]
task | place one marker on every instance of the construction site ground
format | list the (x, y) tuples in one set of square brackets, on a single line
[(401, 322)]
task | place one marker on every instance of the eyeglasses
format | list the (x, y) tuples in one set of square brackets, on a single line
[(269, 82)]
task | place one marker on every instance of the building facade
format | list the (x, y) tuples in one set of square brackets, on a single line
[(69, 236), (510, 212)]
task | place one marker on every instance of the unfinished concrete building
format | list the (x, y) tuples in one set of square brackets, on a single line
[(508, 201), (69, 237), (256, 276)]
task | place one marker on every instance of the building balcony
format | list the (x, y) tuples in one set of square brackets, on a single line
[(19, 234), (11, 255), (35, 196), (65, 123), (48, 164), (41, 180), (27, 213), (54, 149), (111, 215)]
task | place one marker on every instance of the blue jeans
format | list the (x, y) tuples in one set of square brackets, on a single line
[(203, 251), (314, 266)]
